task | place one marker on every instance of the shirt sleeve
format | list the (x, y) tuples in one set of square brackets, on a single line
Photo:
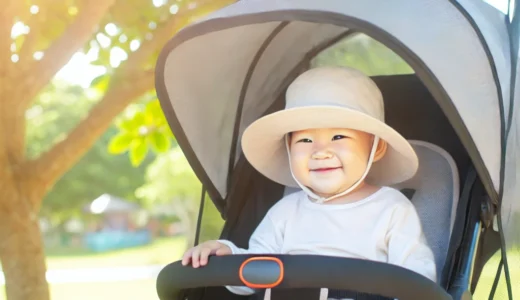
[(407, 245), (266, 239)]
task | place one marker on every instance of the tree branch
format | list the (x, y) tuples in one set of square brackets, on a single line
[(129, 82), (39, 73), (36, 26), (13, 122), (51, 165), (3, 150)]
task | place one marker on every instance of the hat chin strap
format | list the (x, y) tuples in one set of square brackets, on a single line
[(320, 199)]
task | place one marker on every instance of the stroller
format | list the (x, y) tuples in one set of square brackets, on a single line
[(459, 109)]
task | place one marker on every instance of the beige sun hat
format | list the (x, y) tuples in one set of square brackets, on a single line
[(328, 97)]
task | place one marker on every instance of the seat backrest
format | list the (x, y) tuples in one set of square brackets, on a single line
[(435, 196), (434, 191)]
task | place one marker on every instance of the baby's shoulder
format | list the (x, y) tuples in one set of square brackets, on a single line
[(394, 198)]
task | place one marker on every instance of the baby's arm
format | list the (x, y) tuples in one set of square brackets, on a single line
[(407, 246), (266, 239)]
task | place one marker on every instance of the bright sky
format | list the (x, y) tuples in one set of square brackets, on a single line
[(500, 4), (80, 71)]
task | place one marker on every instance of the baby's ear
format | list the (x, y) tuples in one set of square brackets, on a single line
[(381, 150)]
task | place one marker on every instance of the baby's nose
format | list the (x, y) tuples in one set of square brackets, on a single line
[(322, 154)]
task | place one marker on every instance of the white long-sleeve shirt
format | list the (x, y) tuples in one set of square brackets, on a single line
[(383, 227)]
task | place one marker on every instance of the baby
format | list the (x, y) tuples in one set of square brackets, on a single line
[(331, 142)]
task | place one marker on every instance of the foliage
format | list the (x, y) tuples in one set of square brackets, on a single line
[(37, 38), (120, 31), (145, 128), (127, 26), (170, 179), (58, 109), (96, 173), (211, 223), (364, 53)]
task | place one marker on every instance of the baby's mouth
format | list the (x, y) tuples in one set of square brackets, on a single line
[(323, 170)]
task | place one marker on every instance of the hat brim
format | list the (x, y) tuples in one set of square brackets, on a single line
[(263, 142)]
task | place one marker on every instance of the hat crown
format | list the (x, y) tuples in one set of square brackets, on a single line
[(336, 86)]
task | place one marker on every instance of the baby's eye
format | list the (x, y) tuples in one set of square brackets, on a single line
[(305, 141), (338, 137)]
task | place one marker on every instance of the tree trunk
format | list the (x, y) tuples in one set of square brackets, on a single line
[(23, 183), (21, 245)]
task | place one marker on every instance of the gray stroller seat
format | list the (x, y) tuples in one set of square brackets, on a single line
[(435, 196)]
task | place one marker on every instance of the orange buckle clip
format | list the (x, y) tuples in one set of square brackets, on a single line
[(277, 277)]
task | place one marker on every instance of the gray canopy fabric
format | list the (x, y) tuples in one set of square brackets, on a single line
[(241, 57), (249, 48)]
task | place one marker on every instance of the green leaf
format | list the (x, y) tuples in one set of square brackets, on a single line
[(132, 124), (103, 58), (120, 143), (139, 119), (153, 112), (160, 142), (167, 130), (101, 82), (138, 152), (18, 41), (128, 125)]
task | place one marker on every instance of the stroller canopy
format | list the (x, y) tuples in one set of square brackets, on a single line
[(217, 76), (460, 50)]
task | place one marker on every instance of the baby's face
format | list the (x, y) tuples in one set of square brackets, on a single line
[(329, 161)]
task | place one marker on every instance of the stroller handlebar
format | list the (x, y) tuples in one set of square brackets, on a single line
[(299, 271)]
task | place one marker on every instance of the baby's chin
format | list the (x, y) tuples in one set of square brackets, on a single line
[(326, 192)]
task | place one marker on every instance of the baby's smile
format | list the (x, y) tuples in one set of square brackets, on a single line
[(325, 169)]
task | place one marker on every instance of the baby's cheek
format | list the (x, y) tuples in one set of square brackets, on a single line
[(345, 154), (299, 169), (298, 158)]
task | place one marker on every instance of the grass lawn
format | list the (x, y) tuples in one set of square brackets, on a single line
[(161, 251), (127, 290), (488, 276)]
